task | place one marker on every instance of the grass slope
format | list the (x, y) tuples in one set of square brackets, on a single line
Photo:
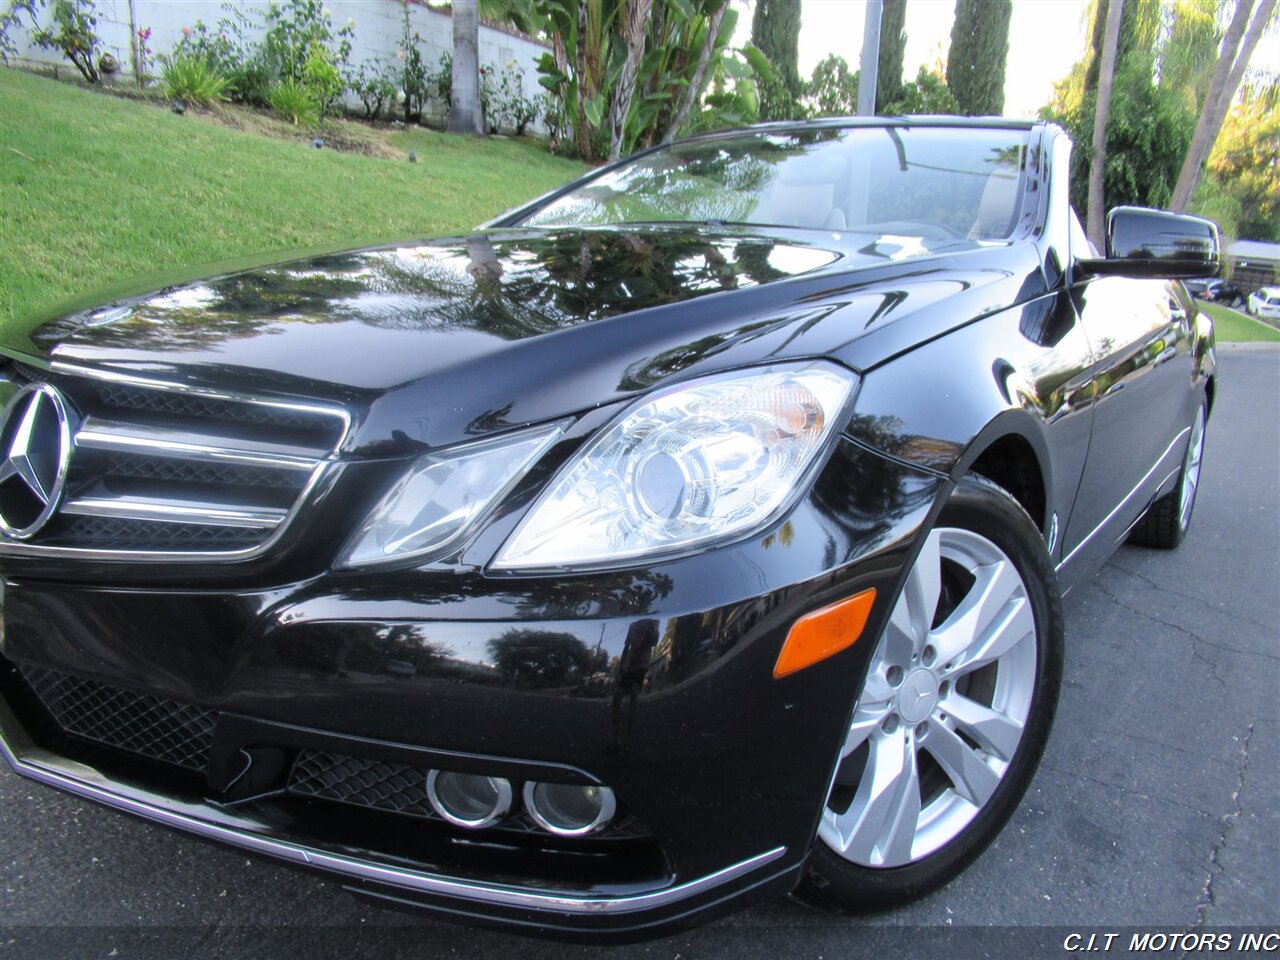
[(1232, 326), (95, 189)]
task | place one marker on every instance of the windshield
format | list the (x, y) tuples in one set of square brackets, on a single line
[(960, 182)]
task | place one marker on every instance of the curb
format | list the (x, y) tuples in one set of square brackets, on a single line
[(1254, 346)]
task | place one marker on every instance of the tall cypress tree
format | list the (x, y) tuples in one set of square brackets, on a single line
[(893, 47), (979, 49), (775, 30)]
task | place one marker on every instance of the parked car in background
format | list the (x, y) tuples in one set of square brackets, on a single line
[(693, 535), (1217, 291), (1265, 302)]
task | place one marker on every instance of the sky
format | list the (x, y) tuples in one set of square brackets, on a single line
[(1045, 38)]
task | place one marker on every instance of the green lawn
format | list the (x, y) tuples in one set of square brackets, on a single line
[(95, 189), (1232, 326)]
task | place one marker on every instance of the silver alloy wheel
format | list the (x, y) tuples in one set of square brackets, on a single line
[(1191, 470), (916, 702)]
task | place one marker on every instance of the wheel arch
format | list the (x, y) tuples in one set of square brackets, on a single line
[(1010, 460)]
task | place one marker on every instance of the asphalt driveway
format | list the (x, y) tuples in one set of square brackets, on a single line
[(1157, 803)]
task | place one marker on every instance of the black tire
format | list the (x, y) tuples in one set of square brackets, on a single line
[(1238, 302), (1166, 521), (833, 882)]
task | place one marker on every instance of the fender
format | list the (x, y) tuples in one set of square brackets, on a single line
[(1039, 390)]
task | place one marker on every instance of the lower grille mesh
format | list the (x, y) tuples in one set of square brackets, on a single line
[(176, 733), (361, 783)]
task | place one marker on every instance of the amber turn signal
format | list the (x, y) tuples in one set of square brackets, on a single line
[(824, 633)]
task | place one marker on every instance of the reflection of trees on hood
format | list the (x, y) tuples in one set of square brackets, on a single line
[(506, 286)]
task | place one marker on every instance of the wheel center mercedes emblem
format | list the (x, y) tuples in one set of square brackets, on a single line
[(35, 449)]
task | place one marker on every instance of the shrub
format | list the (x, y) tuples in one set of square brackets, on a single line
[(222, 46), (439, 84), (375, 85), (489, 99), (294, 101), (412, 73), (249, 81), (299, 42), (559, 130), (71, 30), (192, 78), (927, 94), (512, 106), (294, 29), (321, 77)]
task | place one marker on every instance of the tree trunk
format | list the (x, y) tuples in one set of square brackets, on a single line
[(1098, 160), (464, 104), (635, 24), (581, 133), (1096, 33), (1216, 102), (694, 90)]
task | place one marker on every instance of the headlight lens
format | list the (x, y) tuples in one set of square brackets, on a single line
[(693, 463), (443, 496)]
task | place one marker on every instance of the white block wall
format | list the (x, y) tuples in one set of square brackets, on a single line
[(378, 32)]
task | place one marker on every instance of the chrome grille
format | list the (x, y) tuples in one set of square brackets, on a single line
[(159, 472)]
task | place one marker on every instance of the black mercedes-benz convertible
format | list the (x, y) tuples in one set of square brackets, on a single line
[(692, 535)]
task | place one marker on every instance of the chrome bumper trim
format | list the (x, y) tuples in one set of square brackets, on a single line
[(84, 781)]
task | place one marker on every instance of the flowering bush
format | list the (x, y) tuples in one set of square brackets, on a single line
[(412, 72), (503, 100), (512, 106), (489, 99), (300, 43), (71, 30), (142, 53), (226, 50), (375, 85), (293, 31)]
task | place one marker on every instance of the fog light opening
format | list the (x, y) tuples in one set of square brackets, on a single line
[(569, 810), (467, 799)]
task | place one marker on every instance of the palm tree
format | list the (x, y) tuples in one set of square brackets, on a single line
[(1097, 162), (464, 102), (1237, 48)]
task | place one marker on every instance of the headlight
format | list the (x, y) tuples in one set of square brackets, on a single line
[(693, 463), (443, 496)]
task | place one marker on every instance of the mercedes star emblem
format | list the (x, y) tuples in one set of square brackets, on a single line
[(35, 448)]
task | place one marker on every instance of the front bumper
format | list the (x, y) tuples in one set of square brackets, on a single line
[(666, 695), (544, 908)]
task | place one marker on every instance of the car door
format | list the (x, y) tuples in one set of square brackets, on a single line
[(1140, 334)]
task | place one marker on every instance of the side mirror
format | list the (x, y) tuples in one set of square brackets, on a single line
[(1157, 244)]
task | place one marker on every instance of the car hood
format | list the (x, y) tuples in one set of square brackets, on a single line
[(481, 332)]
